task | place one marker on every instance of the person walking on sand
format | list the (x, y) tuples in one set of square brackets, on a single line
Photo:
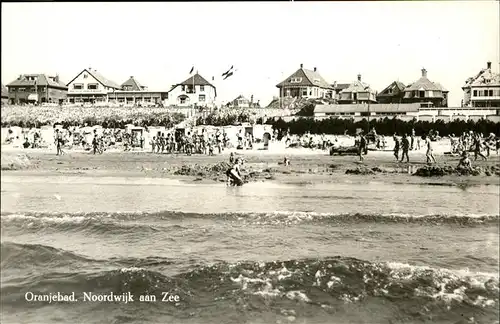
[(396, 147), (477, 148), (361, 146), (429, 155), (405, 145), (59, 142), (412, 139)]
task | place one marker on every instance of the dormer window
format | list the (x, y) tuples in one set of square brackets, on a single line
[(295, 80), (316, 80)]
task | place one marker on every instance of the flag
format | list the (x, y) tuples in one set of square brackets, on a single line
[(228, 75), (192, 69), (213, 78), (227, 72)]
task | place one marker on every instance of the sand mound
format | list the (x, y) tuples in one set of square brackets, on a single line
[(362, 170), (12, 161), (217, 172), (437, 171)]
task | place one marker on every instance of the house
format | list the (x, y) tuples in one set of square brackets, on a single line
[(305, 83), (242, 102), (90, 86), (337, 89), (357, 92), (37, 88), (5, 95), (132, 85), (196, 90), (426, 92), (394, 93), (132, 92), (482, 90)]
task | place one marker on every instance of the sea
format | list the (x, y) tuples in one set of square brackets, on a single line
[(153, 250)]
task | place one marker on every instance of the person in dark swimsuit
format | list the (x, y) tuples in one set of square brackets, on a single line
[(234, 174)]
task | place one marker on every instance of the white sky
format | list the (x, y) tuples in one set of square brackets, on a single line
[(158, 43)]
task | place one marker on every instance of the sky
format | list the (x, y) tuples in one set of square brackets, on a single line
[(158, 43)]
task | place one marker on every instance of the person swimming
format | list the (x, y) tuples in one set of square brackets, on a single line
[(234, 173)]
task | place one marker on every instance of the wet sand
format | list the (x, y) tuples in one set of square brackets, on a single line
[(307, 166)]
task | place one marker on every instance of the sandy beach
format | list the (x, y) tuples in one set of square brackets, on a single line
[(307, 166)]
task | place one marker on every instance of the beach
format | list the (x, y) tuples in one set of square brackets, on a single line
[(305, 243)]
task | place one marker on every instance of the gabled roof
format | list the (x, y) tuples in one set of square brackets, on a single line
[(483, 78), (41, 80), (357, 86), (196, 80), (425, 84), (340, 86), (99, 77), (396, 85), (132, 82), (308, 78)]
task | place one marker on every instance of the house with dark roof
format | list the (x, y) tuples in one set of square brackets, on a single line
[(357, 92), (482, 90), (195, 90), (426, 92), (242, 102), (90, 86), (132, 85), (37, 88), (337, 89), (305, 83), (394, 93), (132, 92)]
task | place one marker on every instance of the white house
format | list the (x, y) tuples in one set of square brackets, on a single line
[(90, 86), (196, 90), (482, 90)]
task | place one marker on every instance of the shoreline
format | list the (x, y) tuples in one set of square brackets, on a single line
[(313, 167)]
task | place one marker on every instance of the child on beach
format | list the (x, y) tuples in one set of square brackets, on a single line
[(396, 147), (405, 145), (429, 154)]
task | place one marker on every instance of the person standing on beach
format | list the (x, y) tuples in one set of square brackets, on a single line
[(412, 138), (405, 145), (396, 147), (429, 154), (477, 148), (59, 142), (361, 146)]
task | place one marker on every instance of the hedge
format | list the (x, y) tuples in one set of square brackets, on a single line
[(384, 126)]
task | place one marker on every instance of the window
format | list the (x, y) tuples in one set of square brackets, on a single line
[(12, 89), (422, 94), (201, 98), (78, 86), (304, 93), (475, 93), (85, 76), (92, 86), (491, 93), (22, 89), (295, 80), (182, 100), (202, 88)]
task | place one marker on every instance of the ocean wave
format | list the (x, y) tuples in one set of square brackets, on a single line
[(21, 256), (318, 282), (105, 223)]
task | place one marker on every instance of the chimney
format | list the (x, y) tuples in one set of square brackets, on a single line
[(301, 65), (315, 69), (56, 78), (488, 64), (424, 72), (334, 84), (131, 76), (359, 77)]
